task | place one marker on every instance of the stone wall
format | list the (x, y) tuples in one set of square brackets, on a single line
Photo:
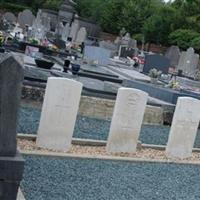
[(103, 109), (91, 106)]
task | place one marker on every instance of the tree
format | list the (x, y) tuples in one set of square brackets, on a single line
[(160, 25), (184, 38)]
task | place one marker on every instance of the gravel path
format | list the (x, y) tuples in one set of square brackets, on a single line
[(48, 178)]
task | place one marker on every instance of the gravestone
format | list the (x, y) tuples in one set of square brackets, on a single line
[(158, 62), (126, 39), (10, 17), (59, 113), (81, 35), (188, 62), (173, 54), (109, 46), (126, 121), (46, 23), (184, 128), (59, 29), (11, 162), (74, 31), (126, 51), (65, 33), (98, 55), (132, 43), (26, 18)]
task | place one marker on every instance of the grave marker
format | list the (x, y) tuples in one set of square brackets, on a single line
[(81, 35), (158, 62), (184, 128), (173, 54), (188, 62), (11, 162), (127, 121), (59, 113)]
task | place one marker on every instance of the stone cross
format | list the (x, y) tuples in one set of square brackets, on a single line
[(126, 121), (184, 128), (60, 107)]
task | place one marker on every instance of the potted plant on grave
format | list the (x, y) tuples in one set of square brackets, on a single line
[(154, 75)]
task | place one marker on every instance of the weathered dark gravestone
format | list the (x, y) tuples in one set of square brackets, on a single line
[(11, 163), (173, 54), (158, 62)]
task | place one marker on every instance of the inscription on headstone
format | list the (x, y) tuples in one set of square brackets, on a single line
[(184, 128), (126, 121), (59, 113)]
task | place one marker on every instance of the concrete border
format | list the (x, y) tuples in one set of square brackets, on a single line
[(75, 141), (90, 142), (87, 142), (109, 158)]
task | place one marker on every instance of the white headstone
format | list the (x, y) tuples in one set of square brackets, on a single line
[(65, 33), (184, 128), (59, 113), (74, 31), (81, 35), (127, 121)]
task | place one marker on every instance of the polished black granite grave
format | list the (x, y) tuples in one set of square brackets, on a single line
[(11, 163)]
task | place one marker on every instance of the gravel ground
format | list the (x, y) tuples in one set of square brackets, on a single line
[(142, 153), (47, 178), (90, 128)]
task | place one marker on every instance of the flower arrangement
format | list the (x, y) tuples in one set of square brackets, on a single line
[(154, 73), (173, 84)]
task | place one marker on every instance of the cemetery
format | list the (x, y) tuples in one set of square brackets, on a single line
[(82, 117)]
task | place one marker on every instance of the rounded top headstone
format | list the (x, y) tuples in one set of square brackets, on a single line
[(10, 17)]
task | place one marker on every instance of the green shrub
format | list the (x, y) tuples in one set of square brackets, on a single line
[(184, 38)]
